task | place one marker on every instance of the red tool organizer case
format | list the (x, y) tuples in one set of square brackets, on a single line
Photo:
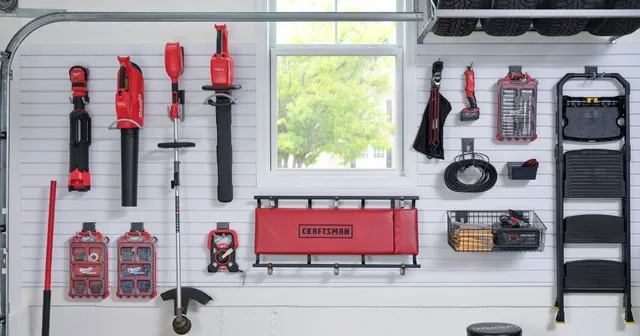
[(89, 263), (136, 264), (336, 231)]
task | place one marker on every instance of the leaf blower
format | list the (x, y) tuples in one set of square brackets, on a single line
[(221, 68), (174, 64), (80, 131), (130, 119)]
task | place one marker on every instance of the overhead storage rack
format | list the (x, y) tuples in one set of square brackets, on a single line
[(425, 12)]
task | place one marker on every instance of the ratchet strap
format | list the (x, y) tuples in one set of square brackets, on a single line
[(429, 138)]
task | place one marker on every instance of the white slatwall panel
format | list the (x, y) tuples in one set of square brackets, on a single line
[(44, 142)]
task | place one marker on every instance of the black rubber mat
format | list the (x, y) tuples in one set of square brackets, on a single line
[(603, 229), (594, 173), (594, 276)]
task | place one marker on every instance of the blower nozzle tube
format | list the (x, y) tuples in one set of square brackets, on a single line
[(129, 143), (130, 118)]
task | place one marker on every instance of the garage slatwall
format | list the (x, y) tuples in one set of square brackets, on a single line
[(43, 120)]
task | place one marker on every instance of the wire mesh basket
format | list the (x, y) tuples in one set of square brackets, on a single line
[(495, 231)]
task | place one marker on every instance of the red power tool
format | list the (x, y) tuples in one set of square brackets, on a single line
[(80, 131), (222, 84), (472, 112), (223, 245), (130, 119), (174, 65)]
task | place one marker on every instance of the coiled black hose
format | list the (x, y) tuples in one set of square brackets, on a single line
[(460, 164)]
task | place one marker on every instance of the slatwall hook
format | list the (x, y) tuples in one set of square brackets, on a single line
[(272, 202), (336, 269), (402, 202), (336, 203)]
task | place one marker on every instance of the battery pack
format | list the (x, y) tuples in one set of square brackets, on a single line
[(136, 264), (89, 264)]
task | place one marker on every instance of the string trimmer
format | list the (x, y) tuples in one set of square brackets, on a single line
[(173, 61)]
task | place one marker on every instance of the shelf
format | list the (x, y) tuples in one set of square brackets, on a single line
[(597, 229), (594, 173), (594, 276)]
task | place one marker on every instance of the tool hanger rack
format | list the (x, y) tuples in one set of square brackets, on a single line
[(424, 13), (584, 174)]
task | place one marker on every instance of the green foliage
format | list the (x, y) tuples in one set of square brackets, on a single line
[(334, 104)]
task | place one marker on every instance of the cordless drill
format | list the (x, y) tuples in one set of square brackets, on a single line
[(472, 112)]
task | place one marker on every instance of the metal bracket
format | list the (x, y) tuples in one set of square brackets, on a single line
[(30, 12), (467, 145), (515, 69), (428, 18), (89, 227), (591, 70), (137, 227), (222, 225)]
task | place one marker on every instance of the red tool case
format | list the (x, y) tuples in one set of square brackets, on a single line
[(337, 231), (136, 263), (89, 263)]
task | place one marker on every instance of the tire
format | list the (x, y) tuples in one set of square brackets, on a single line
[(8, 5), (562, 26), (615, 26), (508, 27), (456, 27)]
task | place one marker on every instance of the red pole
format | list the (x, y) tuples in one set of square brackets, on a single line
[(52, 211), (46, 295)]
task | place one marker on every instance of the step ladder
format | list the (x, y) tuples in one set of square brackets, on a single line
[(586, 174)]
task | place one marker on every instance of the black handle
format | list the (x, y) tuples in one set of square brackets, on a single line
[(46, 312), (219, 42), (221, 88), (625, 84), (129, 142), (122, 77), (224, 153), (176, 145)]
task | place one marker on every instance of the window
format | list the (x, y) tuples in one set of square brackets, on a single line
[(336, 103)]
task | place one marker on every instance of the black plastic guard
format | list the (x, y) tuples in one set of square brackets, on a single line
[(594, 119)]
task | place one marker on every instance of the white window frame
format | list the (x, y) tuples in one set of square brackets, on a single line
[(403, 176)]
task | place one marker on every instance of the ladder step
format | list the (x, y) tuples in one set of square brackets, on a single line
[(594, 173), (603, 229), (597, 276)]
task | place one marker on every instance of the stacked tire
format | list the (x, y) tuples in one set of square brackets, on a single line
[(543, 26)]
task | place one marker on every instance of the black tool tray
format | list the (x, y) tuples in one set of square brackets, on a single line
[(593, 119)]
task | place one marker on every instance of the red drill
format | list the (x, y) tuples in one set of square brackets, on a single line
[(472, 112)]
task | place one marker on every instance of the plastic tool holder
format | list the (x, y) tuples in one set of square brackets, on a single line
[(593, 173), (89, 263), (522, 170), (223, 246), (136, 264), (495, 231), (517, 106)]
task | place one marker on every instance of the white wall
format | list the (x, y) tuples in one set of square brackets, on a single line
[(452, 289)]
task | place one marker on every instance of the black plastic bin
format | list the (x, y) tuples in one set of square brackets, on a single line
[(516, 171)]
